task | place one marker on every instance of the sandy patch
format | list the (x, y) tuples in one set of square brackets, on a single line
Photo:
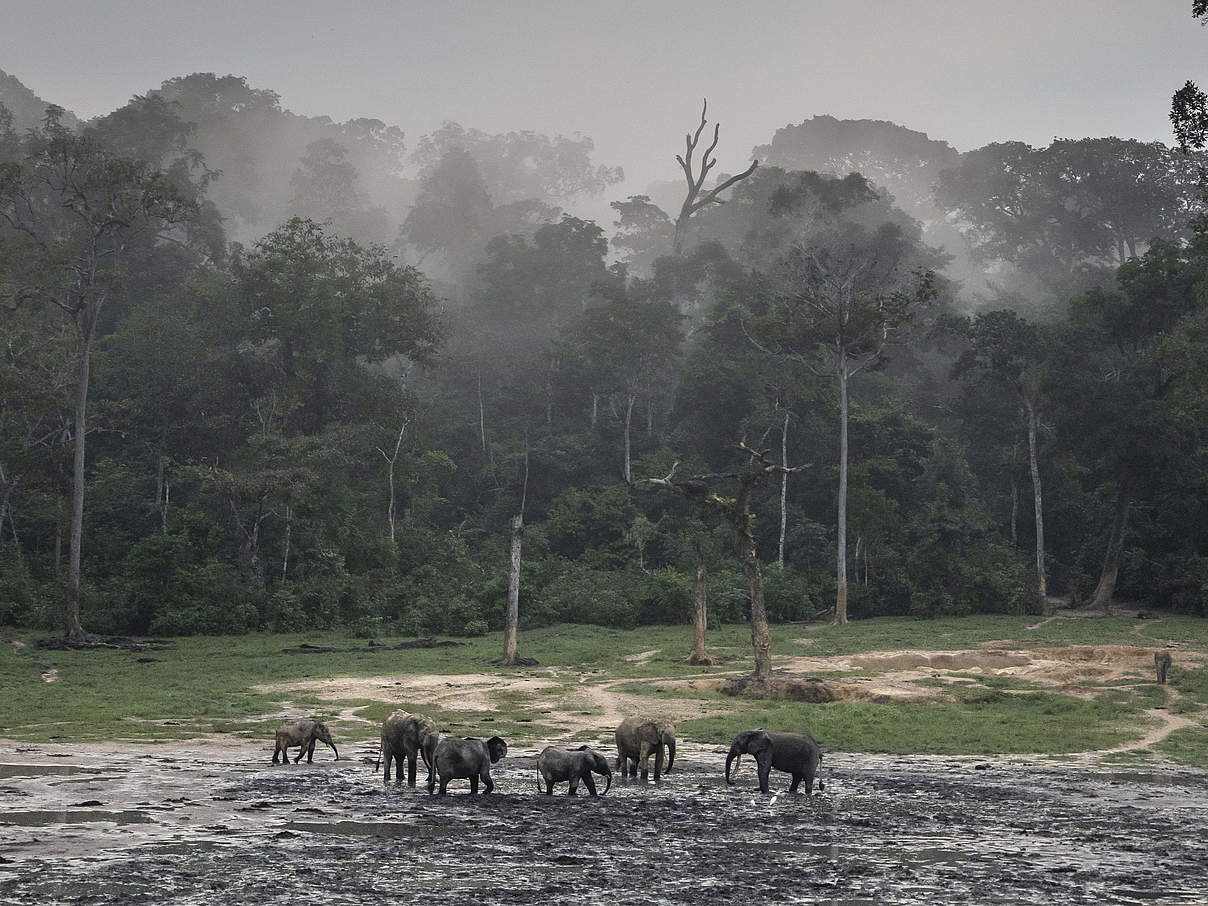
[(643, 656)]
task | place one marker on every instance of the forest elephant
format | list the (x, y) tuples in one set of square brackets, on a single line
[(794, 753), (1161, 662), (640, 737), (304, 733), (459, 759), (409, 736), (556, 765)]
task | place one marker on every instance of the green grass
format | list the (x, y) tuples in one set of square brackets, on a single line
[(991, 723), (210, 685), (1187, 746)]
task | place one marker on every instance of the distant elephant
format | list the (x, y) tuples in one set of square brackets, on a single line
[(556, 765), (1162, 661), (302, 733), (639, 737), (410, 736), (459, 759), (794, 753)]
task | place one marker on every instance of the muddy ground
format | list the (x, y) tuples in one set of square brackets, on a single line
[(216, 823)]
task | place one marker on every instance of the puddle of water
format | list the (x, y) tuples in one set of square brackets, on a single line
[(67, 816)]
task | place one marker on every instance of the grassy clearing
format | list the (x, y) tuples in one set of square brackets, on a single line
[(209, 685), (1188, 746)]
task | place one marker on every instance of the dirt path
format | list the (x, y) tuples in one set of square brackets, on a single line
[(1168, 722)]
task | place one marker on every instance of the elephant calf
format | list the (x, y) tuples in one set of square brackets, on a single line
[(407, 736), (459, 759), (794, 753), (302, 733), (556, 765), (640, 737)]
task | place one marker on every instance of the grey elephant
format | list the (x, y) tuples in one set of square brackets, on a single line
[(638, 738), (556, 765), (794, 753), (409, 736), (459, 759), (304, 733)]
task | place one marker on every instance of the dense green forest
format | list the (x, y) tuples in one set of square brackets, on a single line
[(261, 370)]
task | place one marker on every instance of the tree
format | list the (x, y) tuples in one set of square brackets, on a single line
[(844, 300), (736, 511), (695, 178), (79, 210), (644, 233), (1007, 355)]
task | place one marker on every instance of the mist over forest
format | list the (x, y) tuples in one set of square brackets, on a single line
[(271, 371)]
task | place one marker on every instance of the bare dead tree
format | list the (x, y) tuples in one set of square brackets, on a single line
[(695, 200), (512, 619), (736, 511)]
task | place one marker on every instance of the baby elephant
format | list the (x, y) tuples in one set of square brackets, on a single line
[(1161, 662), (640, 737), (556, 765), (302, 733), (459, 759), (408, 736)]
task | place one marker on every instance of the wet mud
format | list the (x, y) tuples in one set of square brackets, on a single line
[(225, 826)]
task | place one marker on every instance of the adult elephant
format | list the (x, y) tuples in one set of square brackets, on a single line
[(556, 765), (408, 736), (794, 753), (303, 733), (640, 737), (461, 759)]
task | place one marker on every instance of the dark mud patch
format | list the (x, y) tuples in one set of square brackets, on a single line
[(918, 830), (91, 642), (372, 646)]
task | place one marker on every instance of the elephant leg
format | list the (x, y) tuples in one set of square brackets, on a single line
[(644, 760), (431, 782), (443, 784), (410, 769), (301, 752), (765, 769), (590, 784), (549, 788), (474, 785), (658, 763), (574, 787), (488, 783), (276, 751), (310, 752), (796, 780)]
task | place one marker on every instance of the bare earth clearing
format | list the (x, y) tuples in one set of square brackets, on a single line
[(584, 704)]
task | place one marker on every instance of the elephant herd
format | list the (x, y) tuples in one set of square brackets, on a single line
[(410, 738)]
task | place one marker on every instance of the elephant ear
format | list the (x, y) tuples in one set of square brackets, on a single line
[(760, 741), (497, 748)]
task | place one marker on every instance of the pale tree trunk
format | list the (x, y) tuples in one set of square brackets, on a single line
[(513, 611), (289, 512), (161, 492), (1034, 467), (482, 419), (1014, 509), (391, 507), (1115, 544), (628, 424), (74, 629), (784, 489), (595, 409), (841, 558), (700, 618)]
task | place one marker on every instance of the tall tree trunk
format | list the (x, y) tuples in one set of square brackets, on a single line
[(161, 492), (841, 558), (1115, 544), (482, 419), (595, 409), (761, 638), (513, 611), (700, 614), (1038, 505), (74, 629), (628, 424), (289, 512), (784, 488), (1014, 509)]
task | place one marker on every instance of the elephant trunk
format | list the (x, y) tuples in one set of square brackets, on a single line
[(608, 785), (333, 748), (733, 758), (670, 756)]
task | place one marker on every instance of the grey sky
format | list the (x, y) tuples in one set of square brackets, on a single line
[(631, 74)]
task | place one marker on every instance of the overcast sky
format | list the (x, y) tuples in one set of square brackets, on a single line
[(631, 74)]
